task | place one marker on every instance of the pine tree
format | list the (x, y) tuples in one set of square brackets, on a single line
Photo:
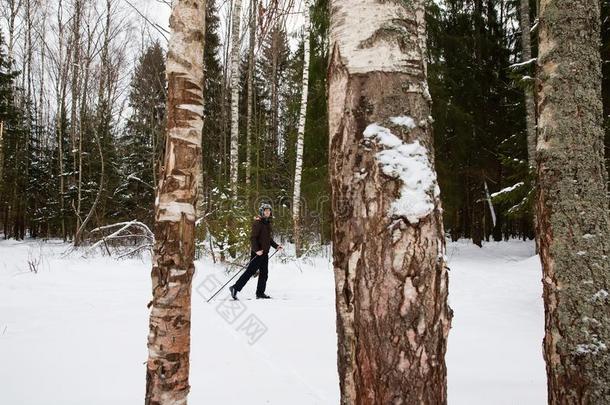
[(143, 142)]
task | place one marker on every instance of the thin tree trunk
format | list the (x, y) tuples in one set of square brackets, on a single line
[(530, 108), (1, 151), (572, 206), (82, 116), (60, 90), (234, 160), (250, 118), (224, 174), (274, 87), (388, 241), (296, 198), (167, 370), (76, 60), (103, 114)]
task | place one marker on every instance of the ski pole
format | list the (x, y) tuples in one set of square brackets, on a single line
[(235, 275)]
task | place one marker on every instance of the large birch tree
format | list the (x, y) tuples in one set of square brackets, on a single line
[(167, 370), (388, 243), (572, 206)]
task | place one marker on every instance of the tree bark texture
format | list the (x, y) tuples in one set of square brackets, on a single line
[(572, 205), (388, 241), (235, 60), (167, 370)]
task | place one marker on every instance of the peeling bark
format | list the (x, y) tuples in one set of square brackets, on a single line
[(573, 223), (390, 273), (167, 369)]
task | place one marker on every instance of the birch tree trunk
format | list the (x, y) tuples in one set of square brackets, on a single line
[(235, 95), (572, 205), (388, 241), (296, 198), (530, 108), (250, 118), (167, 370)]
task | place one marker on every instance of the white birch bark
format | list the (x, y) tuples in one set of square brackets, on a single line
[(234, 158), (530, 108), (250, 118), (167, 369), (296, 198), (391, 279)]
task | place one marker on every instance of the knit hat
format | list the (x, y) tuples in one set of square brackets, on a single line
[(263, 207)]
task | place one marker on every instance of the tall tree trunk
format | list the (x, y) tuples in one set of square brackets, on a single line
[(60, 91), (167, 369), (76, 60), (388, 241), (250, 117), (530, 108), (572, 206), (234, 160), (1, 149), (102, 114), (296, 198), (275, 103), (224, 174)]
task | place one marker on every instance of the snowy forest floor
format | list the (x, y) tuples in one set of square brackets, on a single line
[(75, 331)]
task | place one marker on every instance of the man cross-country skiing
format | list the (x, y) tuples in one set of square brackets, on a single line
[(261, 241)]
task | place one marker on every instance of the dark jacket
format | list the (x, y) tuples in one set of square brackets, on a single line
[(261, 238)]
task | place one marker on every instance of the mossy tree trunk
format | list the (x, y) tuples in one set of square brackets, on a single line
[(572, 205)]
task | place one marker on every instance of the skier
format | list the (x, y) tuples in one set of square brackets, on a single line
[(261, 241)]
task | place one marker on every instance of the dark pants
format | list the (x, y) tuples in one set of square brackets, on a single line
[(258, 263)]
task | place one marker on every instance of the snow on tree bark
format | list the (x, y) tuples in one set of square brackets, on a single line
[(388, 241), (167, 369), (572, 205), (235, 60), (296, 198)]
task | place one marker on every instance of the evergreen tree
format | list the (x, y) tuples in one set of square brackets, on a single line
[(143, 141), (479, 116)]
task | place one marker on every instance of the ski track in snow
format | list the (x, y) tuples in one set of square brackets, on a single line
[(75, 332)]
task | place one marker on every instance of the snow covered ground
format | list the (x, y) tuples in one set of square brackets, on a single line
[(75, 331)]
